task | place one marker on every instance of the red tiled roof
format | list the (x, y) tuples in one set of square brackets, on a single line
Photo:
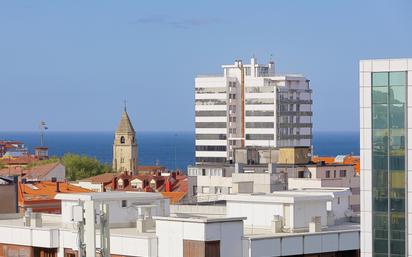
[(349, 159), (39, 196), (101, 178), (174, 197), (150, 168), (22, 160)]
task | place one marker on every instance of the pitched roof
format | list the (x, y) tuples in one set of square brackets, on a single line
[(174, 197), (39, 196), (19, 160), (102, 178), (347, 159), (125, 125), (150, 168), (36, 172), (46, 190)]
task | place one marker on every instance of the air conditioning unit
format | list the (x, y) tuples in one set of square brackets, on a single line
[(277, 224)]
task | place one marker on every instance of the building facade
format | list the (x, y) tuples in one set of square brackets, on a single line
[(250, 105), (125, 146), (385, 101)]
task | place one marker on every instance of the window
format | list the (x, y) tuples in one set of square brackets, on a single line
[(124, 203), (210, 113), (342, 173), (328, 173), (121, 160), (210, 102), (334, 173), (210, 136), (220, 148), (210, 159), (232, 119), (210, 124), (260, 101), (301, 174), (203, 172), (122, 140), (260, 113), (120, 184), (259, 124), (232, 96), (205, 190), (194, 190), (259, 136), (388, 163), (232, 130)]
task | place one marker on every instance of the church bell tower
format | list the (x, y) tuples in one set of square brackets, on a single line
[(125, 146)]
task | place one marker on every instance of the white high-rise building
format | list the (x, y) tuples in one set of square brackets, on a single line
[(250, 105), (385, 148)]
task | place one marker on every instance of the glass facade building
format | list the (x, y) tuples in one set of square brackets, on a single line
[(389, 112), (385, 92)]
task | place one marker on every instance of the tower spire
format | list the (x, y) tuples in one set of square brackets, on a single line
[(125, 105)]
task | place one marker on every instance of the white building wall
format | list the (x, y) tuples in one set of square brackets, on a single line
[(171, 234), (259, 215)]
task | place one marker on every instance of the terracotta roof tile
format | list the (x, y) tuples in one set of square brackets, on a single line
[(102, 178)]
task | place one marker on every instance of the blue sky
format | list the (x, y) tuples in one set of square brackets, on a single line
[(72, 63)]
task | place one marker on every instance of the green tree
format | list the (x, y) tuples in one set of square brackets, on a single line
[(80, 166)]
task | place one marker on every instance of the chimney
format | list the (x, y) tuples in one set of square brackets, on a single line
[(53, 179), (168, 185), (57, 187), (315, 225), (114, 182), (174, 175), (277, 224)]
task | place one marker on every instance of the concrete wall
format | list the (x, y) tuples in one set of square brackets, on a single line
[(259, 215), (8, 192), (210, 210), (353, 184), (301, 244), (305, 210), (171, 234)]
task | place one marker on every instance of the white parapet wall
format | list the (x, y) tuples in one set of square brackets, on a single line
[(299, 244)]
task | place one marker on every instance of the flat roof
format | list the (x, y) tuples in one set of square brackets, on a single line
[(114, 195), (200, 219), (284, 197)]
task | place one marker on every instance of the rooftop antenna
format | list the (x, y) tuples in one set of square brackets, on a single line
[(42, 128)]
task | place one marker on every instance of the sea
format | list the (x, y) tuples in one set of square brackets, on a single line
[(174, 150)]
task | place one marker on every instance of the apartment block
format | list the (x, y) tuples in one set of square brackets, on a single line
[(250, 105)]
